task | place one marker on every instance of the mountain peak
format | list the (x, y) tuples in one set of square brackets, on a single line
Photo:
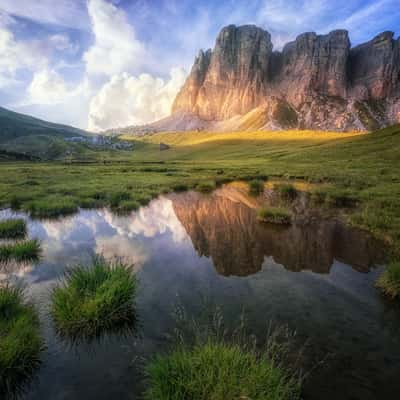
[(319, 77)]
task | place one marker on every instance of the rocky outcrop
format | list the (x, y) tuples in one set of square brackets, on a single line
[(316, 81)]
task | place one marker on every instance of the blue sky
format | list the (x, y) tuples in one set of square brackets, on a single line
[(106, 63)]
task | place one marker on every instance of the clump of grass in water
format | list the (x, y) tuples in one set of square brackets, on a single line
[(219, 366), (256, 186), (28, 250), (389, 281), (12, 229), (275, 215), (20, 341), (205, 187), (95, 300), (286, 190), (52, 208)]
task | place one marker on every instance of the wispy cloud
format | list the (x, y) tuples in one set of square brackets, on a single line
[(69, 13)]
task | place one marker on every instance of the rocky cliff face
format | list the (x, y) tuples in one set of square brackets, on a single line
[(316, 81)]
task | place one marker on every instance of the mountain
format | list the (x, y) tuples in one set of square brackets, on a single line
[(315, 82), (14, 125)]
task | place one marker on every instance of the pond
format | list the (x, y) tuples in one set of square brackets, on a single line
[(316, 276)]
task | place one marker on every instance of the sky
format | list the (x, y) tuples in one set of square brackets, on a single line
[(100, 64)]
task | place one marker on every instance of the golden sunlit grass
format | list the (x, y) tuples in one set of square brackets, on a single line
[(194, 138)]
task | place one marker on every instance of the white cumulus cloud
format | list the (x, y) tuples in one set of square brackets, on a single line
[(128, 100), (16, 55), (116, 48), (47, 87)]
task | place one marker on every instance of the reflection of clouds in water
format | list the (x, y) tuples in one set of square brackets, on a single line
[(75, 239), (14, 271), (157, 218), (129, 251)]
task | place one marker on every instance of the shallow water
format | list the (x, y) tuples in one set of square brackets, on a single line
[(317, 276)]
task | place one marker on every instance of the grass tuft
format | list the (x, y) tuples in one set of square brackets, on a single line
[(205, 187), (389, 281), (12, 229), (20, 341), (256, 186), (210, 361), (92, 301), (52, 208), (275, 215), (28, 250), (286, 190)]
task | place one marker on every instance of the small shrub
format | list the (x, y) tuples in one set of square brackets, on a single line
[(286, 191), (15, 203), (341, 199), (20, 341), (389, 281), (92, 301), (52, 208), (88, 203), (318, 196), (126, 206), (180, 187), (12, 229), (256, 186), (274, 215), (118, 197), (205, 187), (28, 250), (144, 199)]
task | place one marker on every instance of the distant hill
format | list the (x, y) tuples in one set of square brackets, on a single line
[(15, 125)]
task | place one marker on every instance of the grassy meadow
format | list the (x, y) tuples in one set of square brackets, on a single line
[(357, 171)]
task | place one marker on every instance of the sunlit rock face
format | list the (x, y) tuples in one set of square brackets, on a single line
[(318, 81), (230, 80), (224, 226)]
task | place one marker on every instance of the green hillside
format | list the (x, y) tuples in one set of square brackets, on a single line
[(14, 125)]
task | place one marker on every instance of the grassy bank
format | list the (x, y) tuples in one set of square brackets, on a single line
[(94, 300), (12, 229), (20, 341), (361, 169), (389, 281)]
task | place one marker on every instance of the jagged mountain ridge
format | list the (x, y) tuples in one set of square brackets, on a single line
[(315, 82)]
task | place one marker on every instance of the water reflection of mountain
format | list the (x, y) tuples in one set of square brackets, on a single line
[(224, 227)]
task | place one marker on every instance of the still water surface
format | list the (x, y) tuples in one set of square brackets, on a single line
[(317, 276)]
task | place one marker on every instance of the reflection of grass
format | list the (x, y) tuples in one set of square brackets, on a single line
[(20, 342), (274, 215), (12, 229), (211, 362), (256, 186), (28, 250), (389, 281), (95, 300)]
